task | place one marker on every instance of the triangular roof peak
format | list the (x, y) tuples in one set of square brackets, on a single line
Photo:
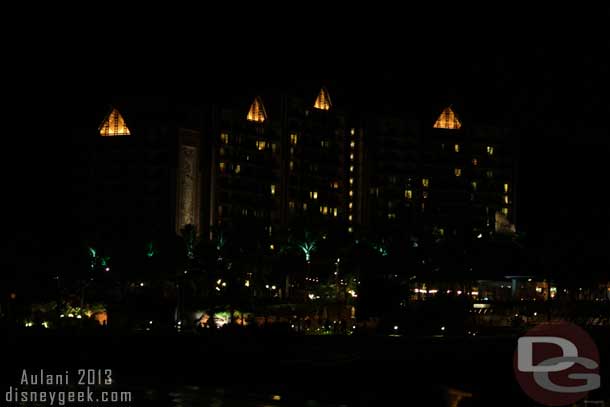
[(114, 125), (257, 111), (323, 100), (447, 120)]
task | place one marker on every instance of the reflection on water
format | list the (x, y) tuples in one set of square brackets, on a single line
[(195, 396)]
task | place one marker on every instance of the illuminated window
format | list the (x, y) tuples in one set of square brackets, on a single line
[(351, 168), (425, 194), (335, 185), (304, 205), (291, 150), (425, 182), (489, 174), (323, 100), (350, 217), (257, 111), (273, 147), (352, 144), (457, 172), (313, 194), (456, 148), (350, 205), (325, 210), (474, 185), (335, 212), (505, 211), (505, 188), (490, 150), (272, 189), (291, 165), (350, 229), (351, 156), (351, 181), (291, 204), (114, 125), (351, 192), (293, 138), (408, 194), (506, 199), (237, 169), (352, 132), (447, 120), (325, 143), (221, 152), (475, 162), (391, 216), (224, 137), (222, 166), (260, 144)]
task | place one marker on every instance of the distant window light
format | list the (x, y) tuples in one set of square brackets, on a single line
[(273, 147), (291, 204), (490, 150), (291, 150), (114, 125), (475, 162), (352, 144), (489, 174), (425, 182), (447, 120), (313, 194), (335, 212), (237, 169), (325, 143), (457, 172), (351, 192), (425, 194), (323, 100), (350, 205), (351, 156), (474, 185), (505, 211), (222, 166), (293, 138), (257, 111), (305, 206), (350, 217), (408, 194), (351, 181), (506, 199), (505, 188), (335, 185), (325, 210), (260, 144), (224, 137), (291, 165), (456, 147), (391, 215), (352, 132), (350, 229), (272, 187), (221, 152), (351, 168)]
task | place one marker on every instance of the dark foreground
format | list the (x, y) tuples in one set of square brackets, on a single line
[(285, 370)]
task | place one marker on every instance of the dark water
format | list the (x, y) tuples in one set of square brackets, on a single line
[(289, 371)]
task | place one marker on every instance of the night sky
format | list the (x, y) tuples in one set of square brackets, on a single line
[(550, 87)]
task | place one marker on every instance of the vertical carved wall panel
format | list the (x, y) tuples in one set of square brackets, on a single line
[(188, 202)]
